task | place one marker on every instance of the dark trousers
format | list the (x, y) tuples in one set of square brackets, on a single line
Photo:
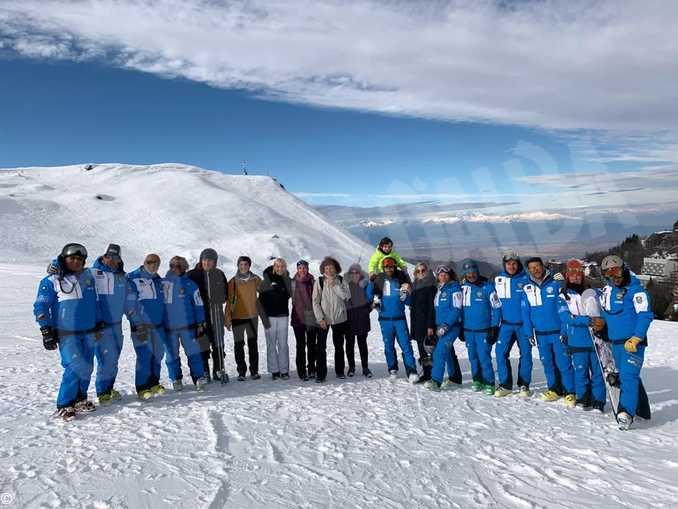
[(338, 337), (213, 344), (241, 328), (427, 363), (307, 339), (350, 350)]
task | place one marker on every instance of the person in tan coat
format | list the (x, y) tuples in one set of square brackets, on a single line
[(242, 316), (330, 293)]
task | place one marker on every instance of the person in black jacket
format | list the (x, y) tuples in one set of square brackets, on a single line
[(274, 296), (214, 291), (358, 309), (423, 320)]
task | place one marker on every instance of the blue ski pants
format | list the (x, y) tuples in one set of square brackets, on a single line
[(107, 351), (509, 335), (442, 355), (553, 354), (390, 330), (77, 359)]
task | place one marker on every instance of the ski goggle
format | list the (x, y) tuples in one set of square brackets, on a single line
[(74, 250), (575, 270), (613, 272)]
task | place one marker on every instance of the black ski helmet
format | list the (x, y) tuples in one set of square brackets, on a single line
[(73, 249)]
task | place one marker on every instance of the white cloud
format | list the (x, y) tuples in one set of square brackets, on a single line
[(589, 64)]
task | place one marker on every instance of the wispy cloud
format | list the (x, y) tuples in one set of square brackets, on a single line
[(603, 64)]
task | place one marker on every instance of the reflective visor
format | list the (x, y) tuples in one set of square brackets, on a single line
[(613, 272)]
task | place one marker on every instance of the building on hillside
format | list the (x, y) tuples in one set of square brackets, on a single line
[(666, 241), (659, 268)]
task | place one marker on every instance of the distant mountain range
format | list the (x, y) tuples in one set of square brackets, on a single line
[(441, 231)]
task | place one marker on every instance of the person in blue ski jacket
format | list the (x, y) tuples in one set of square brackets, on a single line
[(184, 324), (627, 311), (509, 287), (148, 326), (480, 316), (541, 323), (588, 377), (68, 312), (394, 297), (113, 288), (448, 302)]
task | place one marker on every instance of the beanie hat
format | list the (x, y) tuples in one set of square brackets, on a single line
[(574, 266), (209, 254), (302, 263), (469, 266)]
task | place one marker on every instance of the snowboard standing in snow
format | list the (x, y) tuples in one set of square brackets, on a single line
[(607, 365)]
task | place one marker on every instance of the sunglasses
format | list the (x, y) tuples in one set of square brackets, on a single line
[(421, 271), (613, 272)]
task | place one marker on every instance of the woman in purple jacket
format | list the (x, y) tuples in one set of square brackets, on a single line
[(304, 323)]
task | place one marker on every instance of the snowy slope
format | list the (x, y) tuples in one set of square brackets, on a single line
[(170, 209), (357, 443)]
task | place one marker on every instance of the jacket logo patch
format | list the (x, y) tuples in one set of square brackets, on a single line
[(182, 292), (479, 293)]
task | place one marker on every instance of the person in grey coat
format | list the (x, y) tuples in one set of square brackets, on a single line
[(330, 293)]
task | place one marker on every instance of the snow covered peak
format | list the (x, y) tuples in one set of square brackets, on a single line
[(165, 208)]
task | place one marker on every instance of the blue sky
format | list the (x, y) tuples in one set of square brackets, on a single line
[(350, 102), (65, 113)]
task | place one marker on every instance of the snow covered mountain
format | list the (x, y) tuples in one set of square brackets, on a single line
[(167, 208)]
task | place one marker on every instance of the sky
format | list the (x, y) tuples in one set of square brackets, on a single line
[(361, 103)]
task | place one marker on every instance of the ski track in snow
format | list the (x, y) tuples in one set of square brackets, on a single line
[(354, 443)]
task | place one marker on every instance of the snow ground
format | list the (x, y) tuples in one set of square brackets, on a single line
[(354, 443)]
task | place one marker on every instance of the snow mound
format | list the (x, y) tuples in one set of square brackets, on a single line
[(166, 208)]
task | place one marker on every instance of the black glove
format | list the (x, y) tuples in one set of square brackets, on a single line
[(200, 330), (141, 332), (430, 343), (99, 330), (49, 338), (492, 335), (563, 339), (461, 335)]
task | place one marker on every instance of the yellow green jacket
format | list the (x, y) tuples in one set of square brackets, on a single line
[(377, 258)]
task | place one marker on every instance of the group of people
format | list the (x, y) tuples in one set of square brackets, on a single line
[(80, 310)]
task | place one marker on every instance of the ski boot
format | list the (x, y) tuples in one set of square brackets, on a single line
[(524, 392), (413, 378), (488, 389), (501, 392), (115, 395), (393, 373), (255, 376), (624, 420), (447, 385), (367, 373), (158, 390), (351, 373), (275, 375), (583, 403), (284, 376), (598, 406), (105, 399), (66, 414), (177, 385), (145, 394), (476, 386), (241, 378), (570, 400), (84, 406), (550, 395), (200, 384), (432, 385)]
